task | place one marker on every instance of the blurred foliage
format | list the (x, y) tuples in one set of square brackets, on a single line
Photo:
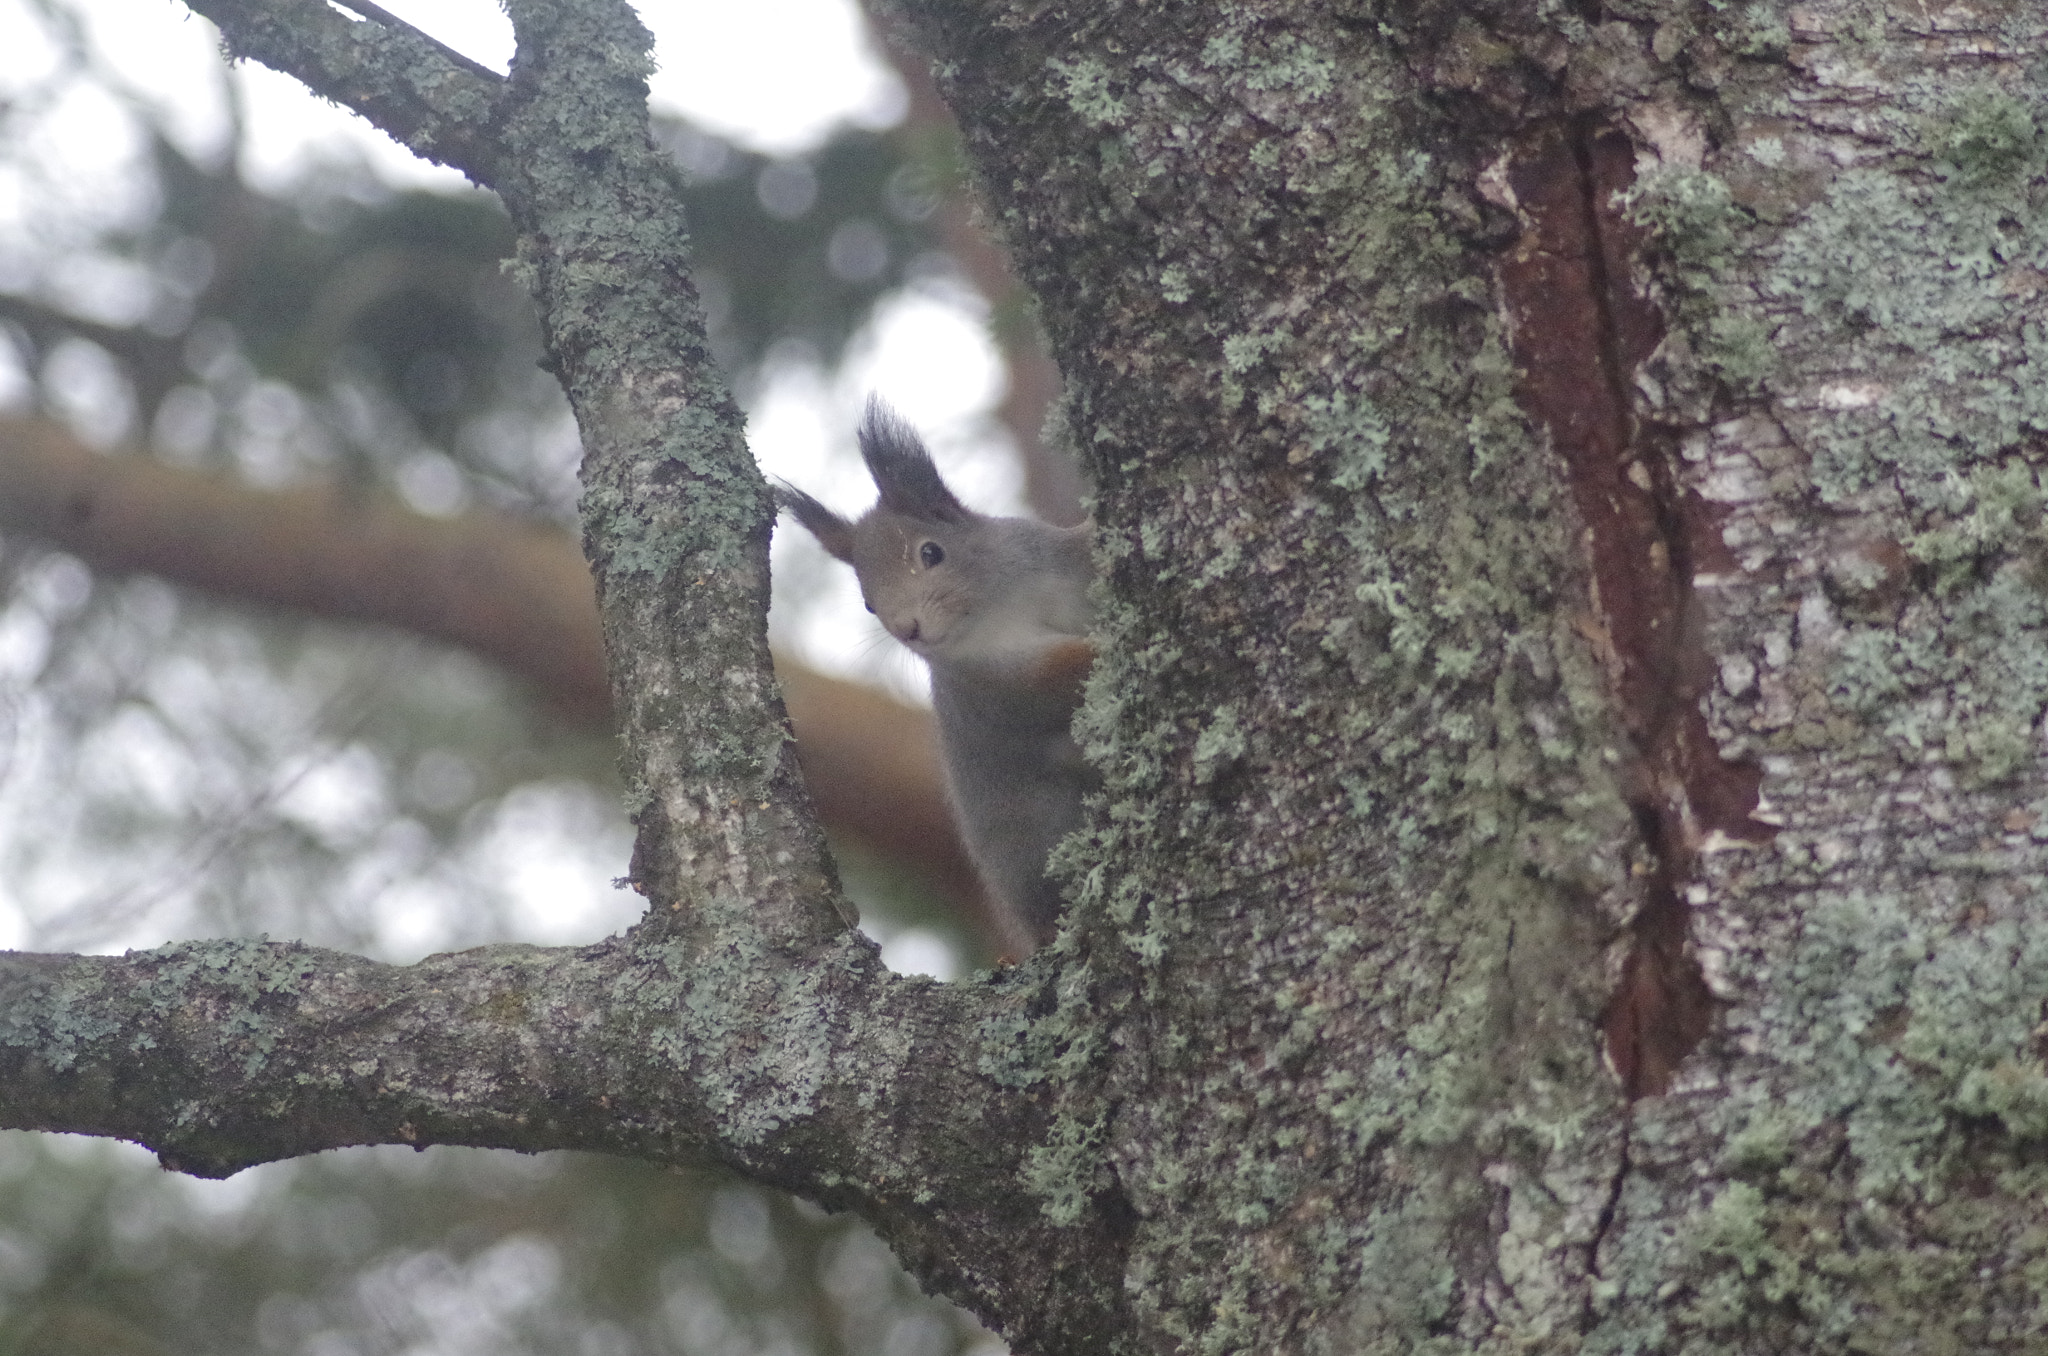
[(446, 1251), (798, 250), (171, 765), (380, 327)]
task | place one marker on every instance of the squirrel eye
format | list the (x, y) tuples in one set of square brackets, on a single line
[(931, 553)]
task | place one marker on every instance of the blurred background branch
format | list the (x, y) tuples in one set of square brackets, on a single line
[(512, 591)]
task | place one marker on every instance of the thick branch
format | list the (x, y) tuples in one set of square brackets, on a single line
[(435, 102), (220, 1055), (676, 515)]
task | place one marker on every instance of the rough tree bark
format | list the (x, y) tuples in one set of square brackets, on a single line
[(1570, 699)]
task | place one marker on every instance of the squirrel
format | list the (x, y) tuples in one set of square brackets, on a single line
[(998, 609)]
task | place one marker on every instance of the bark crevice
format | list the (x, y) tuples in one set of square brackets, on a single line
[(1582, 329)]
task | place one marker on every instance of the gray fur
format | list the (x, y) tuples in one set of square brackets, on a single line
[(1016, 780), (1008, 596)]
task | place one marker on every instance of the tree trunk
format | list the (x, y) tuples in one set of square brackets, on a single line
[(1568, 477), (1569, 701)]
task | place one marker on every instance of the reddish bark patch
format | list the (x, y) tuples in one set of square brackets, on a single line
[(1581, 331), (1703, 522)]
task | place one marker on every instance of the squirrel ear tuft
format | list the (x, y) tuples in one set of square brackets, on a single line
[(903, 469), (833, 532)]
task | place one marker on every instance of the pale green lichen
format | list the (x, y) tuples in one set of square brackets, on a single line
[(1757, 29), (1351, 429), (59, 1032), (1987, 136), (1965, 680), (1912, 1034), (1290, 63), (1220, 745), (1086, 84), (1174, 284), (1694, 216), (1692, 212)]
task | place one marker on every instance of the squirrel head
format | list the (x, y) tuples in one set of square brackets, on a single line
[(928, 565)]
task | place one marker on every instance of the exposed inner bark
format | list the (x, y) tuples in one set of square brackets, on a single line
[(1581, 330)]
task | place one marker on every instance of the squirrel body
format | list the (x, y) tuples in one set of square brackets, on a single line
[(998, 609)]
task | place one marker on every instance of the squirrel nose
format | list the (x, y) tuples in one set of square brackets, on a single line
[(912, 631)]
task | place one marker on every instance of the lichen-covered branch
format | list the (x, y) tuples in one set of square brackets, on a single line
[(676, 517), (431, 100), (832, 1079)]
